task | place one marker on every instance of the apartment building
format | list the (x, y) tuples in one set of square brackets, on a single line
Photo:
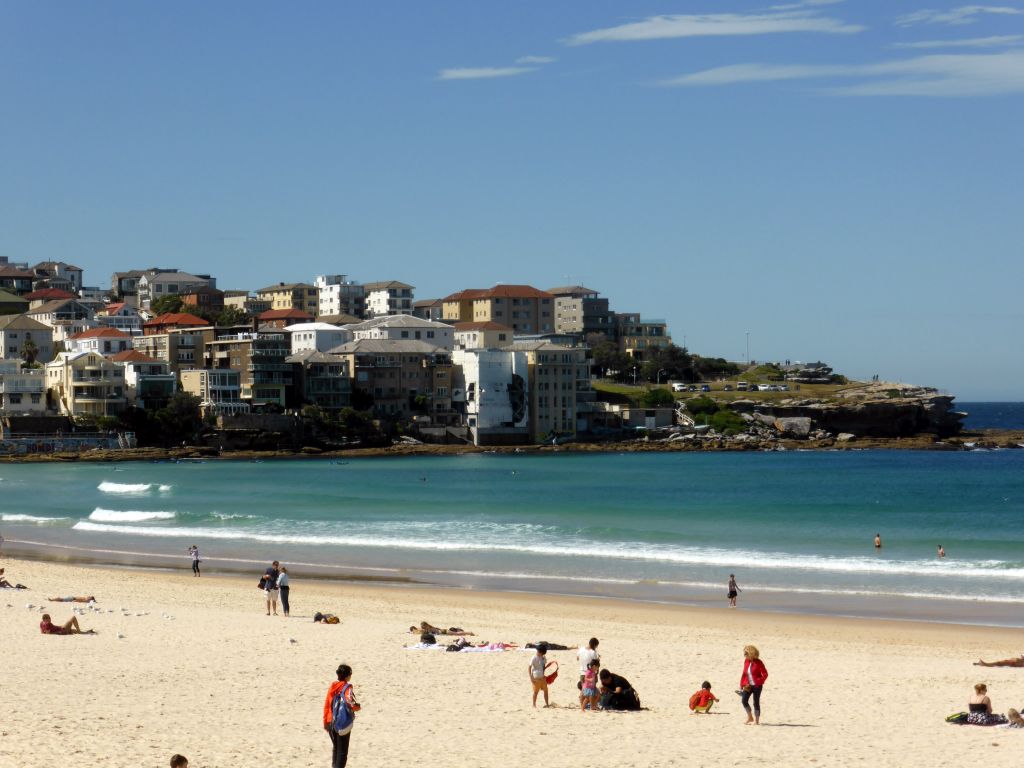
[(266, 378), (124, 286), (322, 379), (86, 383), (559, 388), (400, 375), (486, 335), (245, 302), (122, 316), (181, 349), (581, 311), (389, 297), (219, 391), (65, 317), (157, 283), (404, 327), (429, 309), (523, 308), (148, 381), (16, 280), (637, 336), (300, 296), (101, 340), (337, 295), (319, 337), (17, 330), (22, 392), (490, 393), (172, 321), (202, 298), (57, 274)]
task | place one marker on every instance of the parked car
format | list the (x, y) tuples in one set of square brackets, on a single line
[(741, 386), (727, 388), (705, 388), (678, 387)]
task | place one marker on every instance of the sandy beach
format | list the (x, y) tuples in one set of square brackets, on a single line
[(224, 684)]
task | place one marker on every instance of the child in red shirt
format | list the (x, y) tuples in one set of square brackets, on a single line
[(702, 701)]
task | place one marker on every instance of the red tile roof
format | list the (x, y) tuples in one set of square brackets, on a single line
[(500, 291), (113, 309), (132, 356), (176, 318), (104, 332), (49, 294)]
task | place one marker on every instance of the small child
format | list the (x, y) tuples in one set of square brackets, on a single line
[(702, 701), (537, 676), (588, 692), (179, 761)]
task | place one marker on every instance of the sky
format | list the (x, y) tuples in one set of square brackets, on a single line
[(842, 181)]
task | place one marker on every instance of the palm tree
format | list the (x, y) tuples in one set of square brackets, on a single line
[(29, 353)]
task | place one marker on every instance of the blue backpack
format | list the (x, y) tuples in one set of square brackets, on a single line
[(342, 716)]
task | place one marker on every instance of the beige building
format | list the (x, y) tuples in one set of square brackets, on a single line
[(219, 391), (86, 383), (559, 388), (301, 296), (241, 300), (181, 349), (637, 337), (486, 335), (523, 308), (22, 392), (15, 330)]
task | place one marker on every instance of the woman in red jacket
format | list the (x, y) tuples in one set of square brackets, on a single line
[(754, 676)]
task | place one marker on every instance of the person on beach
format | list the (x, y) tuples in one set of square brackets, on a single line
[(941, 552), (73, 599), (340, 738), (538, 678), (1017, 662), (1014, 718), (751, 682), (617, 694), (5, 584), (734, 590), (979, 708), (587, 655), (588, 689), (70, 627), (193, 552), (179, 761), (282, 585), (702, 701), (878, 541), (427, 627), (325, 618), (270, 586)]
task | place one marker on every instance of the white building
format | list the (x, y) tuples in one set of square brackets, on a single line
[(388, 297), (15, 330), (22, 392), (490, 387), (337, 295), (122, 316), (405, 327), (219, 390), (65, 317), (155, 284), (101, 340), (317, 337)]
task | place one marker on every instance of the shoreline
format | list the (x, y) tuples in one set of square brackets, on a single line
[(863, 605), (989, 439)]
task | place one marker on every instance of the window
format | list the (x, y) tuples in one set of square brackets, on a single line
[(15, 399), (35, 398), (430, 335), (501, 337), (405, 334)]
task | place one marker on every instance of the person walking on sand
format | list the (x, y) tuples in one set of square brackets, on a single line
[(282, 585), (751, 682), (941, 552), (878, 541), (270, 586), (734, 589), (339, 715), (193, 552), (538, 678)]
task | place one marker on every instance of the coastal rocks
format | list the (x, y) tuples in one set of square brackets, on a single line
[(846, 437), (793, 426)]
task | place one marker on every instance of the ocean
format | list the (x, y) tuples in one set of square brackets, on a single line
[(993, 415), (795, 527)]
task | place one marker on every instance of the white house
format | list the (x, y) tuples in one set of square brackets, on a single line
[(22, 392), (101, 340), (337, 295), (122, 316), (405, 327), (15, 330), (65, 317), (317, 337)]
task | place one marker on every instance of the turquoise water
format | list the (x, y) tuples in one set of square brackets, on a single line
[(792, 523)]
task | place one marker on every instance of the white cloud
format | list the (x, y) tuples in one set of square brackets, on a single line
[(965, 14), (535, 59), (803, 4), (715, 24), (936, 75), (480, 73), (996, 41)]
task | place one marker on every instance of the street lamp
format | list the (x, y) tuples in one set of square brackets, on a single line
[(634, 375), (748, 347)]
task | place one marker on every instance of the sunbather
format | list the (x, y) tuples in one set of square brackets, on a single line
[(1017, 662), (73, 599), (426, 626), (70, 627)]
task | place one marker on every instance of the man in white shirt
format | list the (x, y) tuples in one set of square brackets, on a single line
[(587, 654)]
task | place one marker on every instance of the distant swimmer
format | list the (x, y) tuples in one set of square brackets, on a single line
[(942, 552), (878, 541)]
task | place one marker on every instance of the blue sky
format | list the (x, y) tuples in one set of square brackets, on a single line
[(840, 179)]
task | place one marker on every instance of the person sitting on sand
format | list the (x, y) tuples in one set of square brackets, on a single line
[(325, 618), (702, 701), (617, 693), (1017, 662), (70, 627), (5, 584), (1016, 721), (73, 599), (980, 708)]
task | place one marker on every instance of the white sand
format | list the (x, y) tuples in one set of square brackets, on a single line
[(222, 684)]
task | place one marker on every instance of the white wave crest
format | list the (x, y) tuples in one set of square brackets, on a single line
[(31, 519), (108, 487), (128, 516), (165, 488)]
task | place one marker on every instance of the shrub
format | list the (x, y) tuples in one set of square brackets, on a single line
[(701, 405), (654, 398), (727, 422)]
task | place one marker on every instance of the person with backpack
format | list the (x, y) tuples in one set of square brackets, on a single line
[(339, 715)]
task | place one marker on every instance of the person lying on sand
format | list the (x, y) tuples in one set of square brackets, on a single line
[(73, 599), (5, 584), (70, 627), (1018, 662), (325, 618), (426, 626)]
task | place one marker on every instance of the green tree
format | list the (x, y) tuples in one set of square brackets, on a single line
[(605, 356), (180, 421), (672, 362), (231, 316), (166, 304), (657, 398), (29, 352)]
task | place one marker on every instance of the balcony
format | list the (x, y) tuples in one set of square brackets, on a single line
[(31, 387), (285, 367)]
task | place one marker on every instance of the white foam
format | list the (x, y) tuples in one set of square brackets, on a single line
[(108, 487), (30, 519), (677, 555), (165, 488), (128, 516)]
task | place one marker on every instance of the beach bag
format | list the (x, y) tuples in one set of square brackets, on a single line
[(694, 699), (262, 584), (957, 718), (428, 639), (342, 716), (554, 674)]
